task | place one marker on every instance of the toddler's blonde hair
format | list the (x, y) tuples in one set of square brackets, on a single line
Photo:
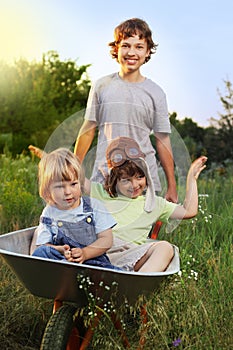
[(59, 165)]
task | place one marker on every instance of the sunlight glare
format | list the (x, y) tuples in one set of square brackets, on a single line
[(20, 37)]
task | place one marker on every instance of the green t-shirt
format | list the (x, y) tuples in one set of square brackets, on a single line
[(133, 222)]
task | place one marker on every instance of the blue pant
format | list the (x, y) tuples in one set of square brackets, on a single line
[(48, 252)]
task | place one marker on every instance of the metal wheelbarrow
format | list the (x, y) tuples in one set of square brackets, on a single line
[(69, 285)]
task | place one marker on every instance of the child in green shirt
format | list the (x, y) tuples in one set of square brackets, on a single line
[(129, 195)]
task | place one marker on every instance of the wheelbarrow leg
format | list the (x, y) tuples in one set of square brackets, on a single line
[(144, 320), (74, 340), (90, 331), (56, 305), (119, 328)]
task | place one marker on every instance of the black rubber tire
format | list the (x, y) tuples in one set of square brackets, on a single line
[(58, 329)]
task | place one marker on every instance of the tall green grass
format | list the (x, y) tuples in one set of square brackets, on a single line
[(192, 310), (22, 316), (20, 205)]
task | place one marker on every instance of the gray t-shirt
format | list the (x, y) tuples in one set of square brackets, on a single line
[(127, 109)]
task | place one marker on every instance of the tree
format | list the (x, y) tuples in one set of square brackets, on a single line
[(211, 143), (219, 140), (36, 97), (71, 83), (225, 124), (191, 133)]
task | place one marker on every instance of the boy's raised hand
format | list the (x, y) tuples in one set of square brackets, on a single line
[(36, 151), (197, 166)]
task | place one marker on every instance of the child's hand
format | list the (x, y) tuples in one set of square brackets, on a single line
[(37, 151), (66, 252), (77, 255), (197, 166)]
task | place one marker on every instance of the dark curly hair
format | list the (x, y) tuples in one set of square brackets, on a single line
[(131, 27), (128, 168)]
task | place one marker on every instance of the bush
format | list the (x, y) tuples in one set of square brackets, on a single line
[(20, 205)]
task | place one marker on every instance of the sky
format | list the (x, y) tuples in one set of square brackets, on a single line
[(195, 43)]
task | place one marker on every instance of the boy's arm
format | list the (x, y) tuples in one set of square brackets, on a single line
[(164, 149), (84, 139), (190, 207), (97, 248), (100, 246), (63, 249), (87, 186), (45, 236)]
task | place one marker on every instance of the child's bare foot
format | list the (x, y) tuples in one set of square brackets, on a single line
[(37, 151)]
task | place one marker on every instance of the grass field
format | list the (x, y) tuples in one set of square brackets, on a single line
[(192, 310)]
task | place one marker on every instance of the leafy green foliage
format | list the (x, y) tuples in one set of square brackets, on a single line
[(214, 141), (20, 205), (225, 124), (36, 97), (191, 133)]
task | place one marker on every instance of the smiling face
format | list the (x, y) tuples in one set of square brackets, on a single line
[(131, 187), (127, 179), (132, 53)]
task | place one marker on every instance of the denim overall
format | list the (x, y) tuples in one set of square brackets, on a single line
[(76, 235)]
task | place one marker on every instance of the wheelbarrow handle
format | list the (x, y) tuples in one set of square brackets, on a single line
[(156, 229)]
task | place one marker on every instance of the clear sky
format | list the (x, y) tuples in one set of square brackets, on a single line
[(194, 56)]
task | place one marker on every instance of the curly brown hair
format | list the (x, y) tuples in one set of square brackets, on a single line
[(131, 27), (128, 168)]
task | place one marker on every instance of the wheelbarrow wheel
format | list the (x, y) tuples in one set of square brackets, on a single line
[(59, 329)]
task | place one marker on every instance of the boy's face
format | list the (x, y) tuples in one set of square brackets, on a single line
[(131, 187), (65, 195), (132, 53)]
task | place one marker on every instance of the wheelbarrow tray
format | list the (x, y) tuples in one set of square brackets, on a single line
[(59, 280)]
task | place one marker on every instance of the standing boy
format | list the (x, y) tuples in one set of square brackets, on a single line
[(129, 104)]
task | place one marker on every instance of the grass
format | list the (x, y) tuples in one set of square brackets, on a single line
[(192, 310)]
